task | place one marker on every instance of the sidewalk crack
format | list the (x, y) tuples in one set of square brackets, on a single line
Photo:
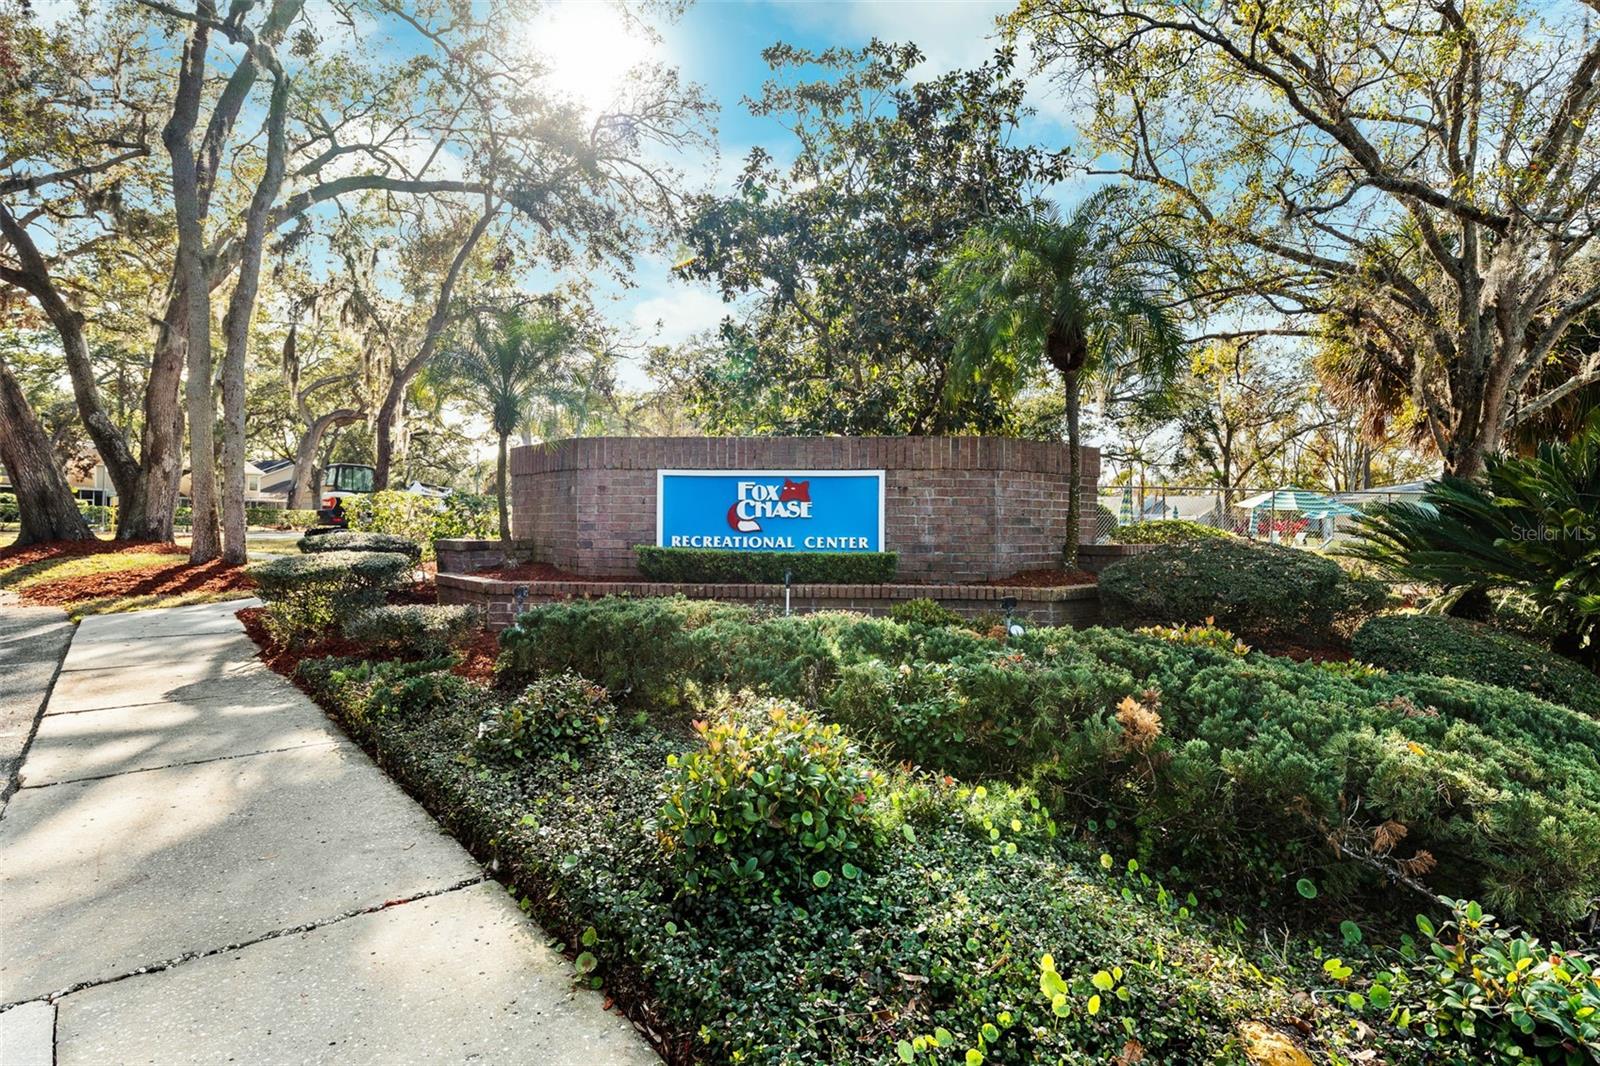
[(178, 960)]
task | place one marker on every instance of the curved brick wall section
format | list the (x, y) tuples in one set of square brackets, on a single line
[(956, 508)]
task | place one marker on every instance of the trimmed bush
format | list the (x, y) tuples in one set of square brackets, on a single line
[(553, 716), (427, 630), (925, 611), (308, 595), (1455, 647), (776, 801), (1168, 531), (714, 565), (409, 692), (1259, 591), (345, 541), (1246, 771)]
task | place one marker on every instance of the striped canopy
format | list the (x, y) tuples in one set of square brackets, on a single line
[(1311, 504), (1125, 512)]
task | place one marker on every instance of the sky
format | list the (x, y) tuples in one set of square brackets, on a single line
[(718, 43)]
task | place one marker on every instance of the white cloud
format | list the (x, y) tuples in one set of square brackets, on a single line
[(678, 314)]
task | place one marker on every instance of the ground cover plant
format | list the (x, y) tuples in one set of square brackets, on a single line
[(1457, 647), (426, 629), (1263, 592), (1248, 772), (970, 922)]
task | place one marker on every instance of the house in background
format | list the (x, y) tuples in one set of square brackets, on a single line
[(86, 475)]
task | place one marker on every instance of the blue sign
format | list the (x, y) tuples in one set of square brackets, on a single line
[(770, 510)]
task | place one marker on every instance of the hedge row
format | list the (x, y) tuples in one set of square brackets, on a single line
[(1455, 647), (1167, 531), (710, 565), (345, 541), (1245, 770), (1259, 591)]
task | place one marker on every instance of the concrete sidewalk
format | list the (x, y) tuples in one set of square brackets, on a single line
[(200, 868), (32, 643)]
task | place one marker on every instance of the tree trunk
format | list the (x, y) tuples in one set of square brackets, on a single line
[(241, 309), (44, 499), (189, 210), (302, 493), (500, 488), (147, 513), (34, 277), (403, 377), (1069, 547)]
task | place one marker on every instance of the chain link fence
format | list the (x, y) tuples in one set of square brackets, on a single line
[(1276, 520)]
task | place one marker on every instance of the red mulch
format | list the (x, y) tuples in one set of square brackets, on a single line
[(1309, 653), (54, 549), (161, 579), (1047, 579)]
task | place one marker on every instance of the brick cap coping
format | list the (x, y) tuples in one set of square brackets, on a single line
[(498, 586)]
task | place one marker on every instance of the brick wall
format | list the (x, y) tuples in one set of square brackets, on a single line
[(955, 508), (497, 599)]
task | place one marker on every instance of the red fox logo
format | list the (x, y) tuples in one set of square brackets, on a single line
[(765, 500)]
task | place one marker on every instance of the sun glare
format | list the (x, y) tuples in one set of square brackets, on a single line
[(591, 50)]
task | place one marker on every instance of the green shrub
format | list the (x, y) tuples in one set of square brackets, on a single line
[(308, 595), (100, 516), (427, 630), (346, 541), (1245, 771), (925, 611), (365, 691), (8, 508), (1204, 635), (1455, 647), (776, 800), (467, 514), (1260, 591), (1168, 531), (1477, 987), (766, 568), (553, 716)]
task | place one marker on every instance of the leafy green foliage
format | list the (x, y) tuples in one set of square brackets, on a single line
[(838, 252), (934, 945), (403, 691), (1260, 591), (553, 716), (924, 611), (421, 519), (1475, 986), (775, 802), (1204, 635), (280, 517), (1529, 525), (1166, 531), (1456, 647), (421, 629), (346, 541), (766, 568), (308, 595), (1247, 771)]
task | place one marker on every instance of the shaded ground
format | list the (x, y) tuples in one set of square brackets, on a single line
[(99, 576)]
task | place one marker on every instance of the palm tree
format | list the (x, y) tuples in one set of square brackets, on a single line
[(1091, 296), (502, 369)]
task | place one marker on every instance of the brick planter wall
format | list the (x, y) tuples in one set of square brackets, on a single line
[(957, 509), (496, 598)]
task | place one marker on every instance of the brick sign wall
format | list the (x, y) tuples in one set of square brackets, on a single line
[(955, 508)]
